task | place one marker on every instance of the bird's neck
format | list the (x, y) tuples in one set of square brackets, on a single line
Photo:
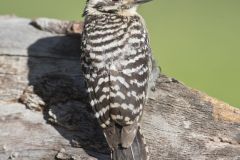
[(128, 12), (121, 12)]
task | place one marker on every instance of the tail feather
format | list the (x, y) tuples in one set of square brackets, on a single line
[(137, 151)]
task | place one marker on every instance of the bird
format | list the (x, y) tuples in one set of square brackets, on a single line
[(116, 61)]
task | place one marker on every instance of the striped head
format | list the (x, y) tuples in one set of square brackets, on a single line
[(122, 7)]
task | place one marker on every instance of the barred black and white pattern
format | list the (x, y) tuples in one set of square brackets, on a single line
[(116, 61)]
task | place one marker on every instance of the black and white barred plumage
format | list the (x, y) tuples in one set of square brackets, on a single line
[(116, 61)]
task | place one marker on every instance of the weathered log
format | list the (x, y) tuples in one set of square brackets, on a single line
[(44, 113)]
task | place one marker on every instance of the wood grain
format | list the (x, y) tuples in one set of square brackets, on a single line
[(44, 113)]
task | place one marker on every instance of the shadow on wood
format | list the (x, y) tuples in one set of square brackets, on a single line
[(63, 97)]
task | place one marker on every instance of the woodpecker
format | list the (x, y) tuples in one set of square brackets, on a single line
[(117, 62)]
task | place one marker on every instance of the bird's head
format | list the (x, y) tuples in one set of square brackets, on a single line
[(112, 6)]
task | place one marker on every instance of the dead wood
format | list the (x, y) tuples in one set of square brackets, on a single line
[(44, 113)]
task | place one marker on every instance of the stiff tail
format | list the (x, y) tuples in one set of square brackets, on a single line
[(137, 151)]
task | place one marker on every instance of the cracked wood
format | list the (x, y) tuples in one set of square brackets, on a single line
[(44, 115)]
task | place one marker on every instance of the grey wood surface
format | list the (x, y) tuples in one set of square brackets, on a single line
[(44, 112)]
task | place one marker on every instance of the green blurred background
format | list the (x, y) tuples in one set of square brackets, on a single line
[(195, 41)]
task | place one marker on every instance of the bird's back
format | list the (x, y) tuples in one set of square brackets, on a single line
[(116, 62)]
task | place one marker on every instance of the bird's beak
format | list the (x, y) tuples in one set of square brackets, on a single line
[(141, 1)]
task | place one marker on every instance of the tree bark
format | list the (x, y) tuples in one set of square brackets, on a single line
[(44, 113)]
